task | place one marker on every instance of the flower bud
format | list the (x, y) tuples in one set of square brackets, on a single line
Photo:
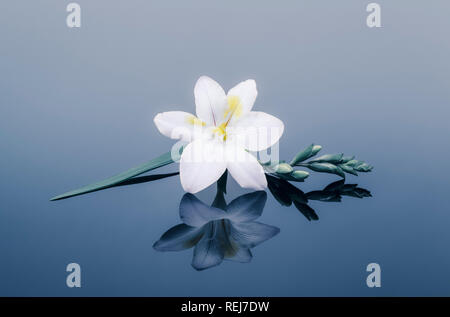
[(299, 175), (283, 168), (316, 149)]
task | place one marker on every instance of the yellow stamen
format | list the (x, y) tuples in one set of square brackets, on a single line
[(221, 130), (195, 121), (234, 107)]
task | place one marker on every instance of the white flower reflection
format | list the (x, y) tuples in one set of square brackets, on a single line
[(220, 232)]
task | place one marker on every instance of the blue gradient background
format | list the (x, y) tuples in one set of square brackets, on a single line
[(76, 105)]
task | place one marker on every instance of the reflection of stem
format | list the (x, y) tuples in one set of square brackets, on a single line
[(219, 200)]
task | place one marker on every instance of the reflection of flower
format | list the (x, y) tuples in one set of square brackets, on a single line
[(224, 128), (218, 234)]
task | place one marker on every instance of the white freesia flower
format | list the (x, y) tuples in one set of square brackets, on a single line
[(220, 135)]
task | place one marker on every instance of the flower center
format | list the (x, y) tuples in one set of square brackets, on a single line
[(221, 130), (234, 110)]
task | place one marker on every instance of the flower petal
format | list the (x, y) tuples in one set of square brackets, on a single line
[(210, 100), (196, 213), (209, 252), (256, 131), (179, 125), (233, 251), (246, 92), (179, 237), (240, 254), (250, 234), (247, 207), (245, 168), (202, 163)]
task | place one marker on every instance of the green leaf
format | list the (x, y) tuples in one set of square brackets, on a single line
[(327, 168), (160, 161), (329, 158), (143, 179)]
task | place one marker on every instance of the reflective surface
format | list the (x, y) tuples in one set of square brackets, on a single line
[(229, 231), (76, 106)]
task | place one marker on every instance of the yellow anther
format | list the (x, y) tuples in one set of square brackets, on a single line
[(195, 121), (234, 107), (221, 130)]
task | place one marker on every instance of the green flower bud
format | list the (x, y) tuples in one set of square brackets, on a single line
[(327, 168), (329, 158), (315, 150), (345, 159), (303, 155), (348, 169), (310, 151), (283, 168), (299, 175)]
